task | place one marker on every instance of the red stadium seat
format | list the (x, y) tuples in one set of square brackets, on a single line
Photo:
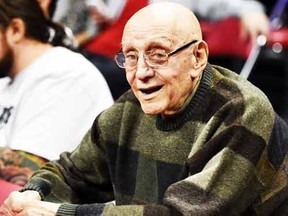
[(223, 38), (6, 188)]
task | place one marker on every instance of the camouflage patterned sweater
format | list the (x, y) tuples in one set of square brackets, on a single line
[(223, 155)]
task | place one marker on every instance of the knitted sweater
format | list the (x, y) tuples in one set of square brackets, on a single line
[(224, 154)]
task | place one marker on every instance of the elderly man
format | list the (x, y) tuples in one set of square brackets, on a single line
[(188, 139)]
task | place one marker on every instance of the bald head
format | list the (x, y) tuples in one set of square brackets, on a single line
[(164, 56), (173, 17)]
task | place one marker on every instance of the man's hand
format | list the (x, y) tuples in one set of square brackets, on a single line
[(253, 25), (27, 203), (16, 201)]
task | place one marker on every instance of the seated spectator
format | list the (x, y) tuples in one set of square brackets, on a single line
[(49, 95), (188, 139)]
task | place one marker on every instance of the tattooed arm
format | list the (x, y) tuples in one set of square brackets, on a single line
[(17, 166)]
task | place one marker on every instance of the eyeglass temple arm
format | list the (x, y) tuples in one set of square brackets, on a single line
[(181, 48)]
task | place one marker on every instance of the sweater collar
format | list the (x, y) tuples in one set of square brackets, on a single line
[(178, 120)]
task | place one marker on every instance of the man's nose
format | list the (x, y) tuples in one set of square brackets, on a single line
[(143, 69)]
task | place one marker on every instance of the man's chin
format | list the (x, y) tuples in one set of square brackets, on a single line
[(151, 109)]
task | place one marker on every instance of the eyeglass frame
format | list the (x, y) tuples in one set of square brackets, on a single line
[(168, 55)]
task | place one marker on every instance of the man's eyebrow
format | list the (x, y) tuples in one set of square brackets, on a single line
[(128, 49), (157, 43)]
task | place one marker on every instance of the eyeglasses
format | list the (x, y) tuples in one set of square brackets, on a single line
[(153, 58)]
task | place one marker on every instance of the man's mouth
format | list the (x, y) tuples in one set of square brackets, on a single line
[(151, 90)]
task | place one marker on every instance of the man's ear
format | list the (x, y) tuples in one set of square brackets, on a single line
[(15, 32), (200, 54)]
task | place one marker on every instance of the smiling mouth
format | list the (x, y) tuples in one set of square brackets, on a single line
[(151, 90)]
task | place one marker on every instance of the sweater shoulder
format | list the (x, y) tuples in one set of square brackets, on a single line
[(233, 87), (125, 108)]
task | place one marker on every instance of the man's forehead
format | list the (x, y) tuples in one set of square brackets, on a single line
[(162, 31), (151, 24), (146, 38)]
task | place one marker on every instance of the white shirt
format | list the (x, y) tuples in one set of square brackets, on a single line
[(51, 104)]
